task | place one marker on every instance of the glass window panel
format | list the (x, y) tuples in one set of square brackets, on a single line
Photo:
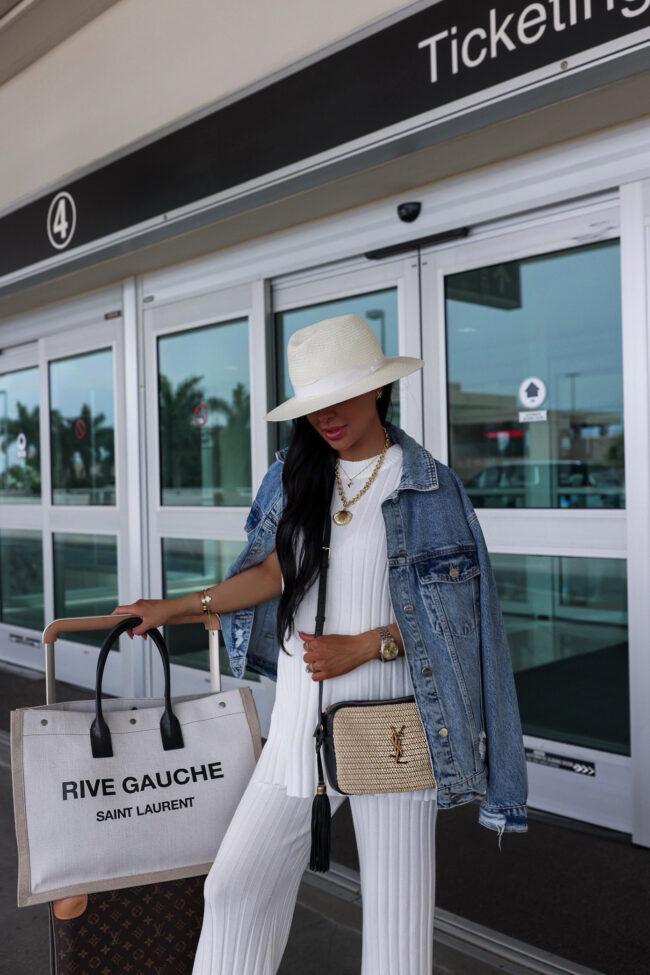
[(205, 439), (85, 578), (20, 455), (21, 578), (379, 308), (190, 565), (554, 318), (566, 620), (81, 429)]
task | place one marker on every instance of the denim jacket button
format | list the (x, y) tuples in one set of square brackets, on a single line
[(443, 732), (426, 671), (454, 798), (408, 608)]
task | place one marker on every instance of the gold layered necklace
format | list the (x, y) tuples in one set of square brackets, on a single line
[(344, 517), (352, 477)]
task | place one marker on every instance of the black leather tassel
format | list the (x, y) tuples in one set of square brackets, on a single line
[(321, 824)]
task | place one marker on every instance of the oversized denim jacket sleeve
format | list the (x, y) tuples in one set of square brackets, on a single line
[(504, 806), (249, 634)]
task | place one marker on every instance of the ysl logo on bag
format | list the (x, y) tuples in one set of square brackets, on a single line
[(398, 745)]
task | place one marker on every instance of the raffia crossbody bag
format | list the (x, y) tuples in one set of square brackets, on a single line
[(369, 747)]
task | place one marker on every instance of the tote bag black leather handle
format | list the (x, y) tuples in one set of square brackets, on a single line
[(170, 729)]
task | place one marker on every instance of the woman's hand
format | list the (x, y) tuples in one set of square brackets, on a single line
[(248, 588), (332, 654), (154, 612)]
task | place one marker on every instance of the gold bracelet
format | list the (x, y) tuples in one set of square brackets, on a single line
[(205, 600)]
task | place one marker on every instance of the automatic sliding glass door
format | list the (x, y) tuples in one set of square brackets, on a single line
[(62, 494), (199, 359), (530, 415), (22, 610)]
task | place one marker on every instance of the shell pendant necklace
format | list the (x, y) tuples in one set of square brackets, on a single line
[(344, 516)]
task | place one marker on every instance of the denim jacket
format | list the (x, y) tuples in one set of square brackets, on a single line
[(445, 602)]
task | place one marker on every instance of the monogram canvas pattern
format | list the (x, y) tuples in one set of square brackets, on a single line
[(150, 930)]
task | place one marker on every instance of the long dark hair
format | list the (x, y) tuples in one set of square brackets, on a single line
[(308, 482)]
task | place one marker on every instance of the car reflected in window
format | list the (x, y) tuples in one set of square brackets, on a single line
[(555, 484)]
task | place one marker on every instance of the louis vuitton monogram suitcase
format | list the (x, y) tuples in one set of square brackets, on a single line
[(153, 929)]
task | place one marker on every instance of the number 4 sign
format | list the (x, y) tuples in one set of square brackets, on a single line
[(61, 220)]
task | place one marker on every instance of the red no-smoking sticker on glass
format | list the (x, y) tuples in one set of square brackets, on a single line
[(200, 415), (80, 429)]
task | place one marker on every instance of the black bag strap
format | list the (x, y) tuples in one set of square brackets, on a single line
[(322, 594), (170, 729), (321, 813)]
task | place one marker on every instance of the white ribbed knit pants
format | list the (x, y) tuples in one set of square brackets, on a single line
[(251, 890)]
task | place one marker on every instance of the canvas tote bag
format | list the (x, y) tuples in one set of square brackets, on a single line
[(126, 792)]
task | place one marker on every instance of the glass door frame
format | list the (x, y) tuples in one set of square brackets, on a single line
[(84, 519), (171, 315), (347, 279), (69, 336), (607, 798), (20, 645), (178, 310)]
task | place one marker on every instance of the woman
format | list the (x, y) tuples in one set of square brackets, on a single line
[(411, 608)]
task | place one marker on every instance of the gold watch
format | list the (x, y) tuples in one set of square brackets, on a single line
[(388, 649)]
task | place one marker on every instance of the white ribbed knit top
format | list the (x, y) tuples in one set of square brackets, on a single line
[(358, 599)]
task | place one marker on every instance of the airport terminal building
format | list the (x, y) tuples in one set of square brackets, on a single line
[(182, 187)]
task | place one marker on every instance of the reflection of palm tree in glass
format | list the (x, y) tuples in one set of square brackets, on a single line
[(180, 438), (24, 477), (616, 453), (81, 462), (234, 444), (226, 468)]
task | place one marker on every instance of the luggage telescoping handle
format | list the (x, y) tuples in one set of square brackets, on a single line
[(82, 624), (170, 729)]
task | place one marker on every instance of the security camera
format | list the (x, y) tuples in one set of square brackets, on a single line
[(408, 212)]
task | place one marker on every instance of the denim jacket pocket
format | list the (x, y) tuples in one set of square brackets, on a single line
[(449, 581), (454, 574)]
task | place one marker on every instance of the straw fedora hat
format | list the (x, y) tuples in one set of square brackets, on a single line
[(335, 360)]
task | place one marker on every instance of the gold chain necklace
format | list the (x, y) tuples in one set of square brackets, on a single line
[(352, 477), (344, 517)]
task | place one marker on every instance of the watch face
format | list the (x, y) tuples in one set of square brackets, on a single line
[(389, 648)]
